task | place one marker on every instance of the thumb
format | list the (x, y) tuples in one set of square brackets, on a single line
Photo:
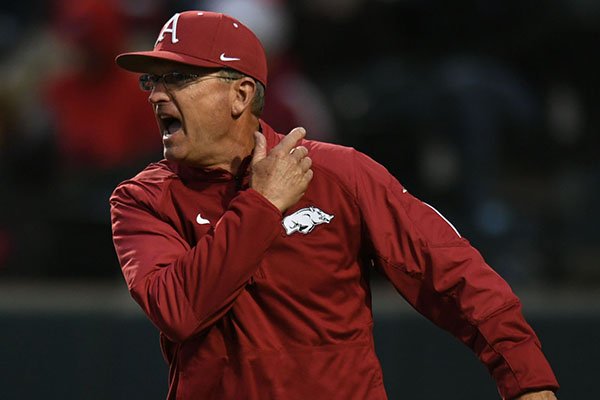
[(260, 147)]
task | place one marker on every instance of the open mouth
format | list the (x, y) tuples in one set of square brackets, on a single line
[(170, 125)]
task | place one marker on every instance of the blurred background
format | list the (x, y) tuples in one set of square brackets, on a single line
[(487, 109)]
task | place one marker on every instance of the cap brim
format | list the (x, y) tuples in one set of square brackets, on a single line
[(141, 61)]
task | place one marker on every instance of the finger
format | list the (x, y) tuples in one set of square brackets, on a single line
[(290, 141), (308, 175), (305, 163), (260, 147), (299, 152)]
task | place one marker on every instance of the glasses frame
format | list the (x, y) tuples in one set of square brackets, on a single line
[(175, 79)]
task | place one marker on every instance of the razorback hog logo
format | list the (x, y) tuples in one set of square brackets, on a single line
[(305, 220)]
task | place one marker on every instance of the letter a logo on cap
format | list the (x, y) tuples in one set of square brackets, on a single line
[(170, 27)]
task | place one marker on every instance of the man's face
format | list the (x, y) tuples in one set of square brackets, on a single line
[(194, 115)]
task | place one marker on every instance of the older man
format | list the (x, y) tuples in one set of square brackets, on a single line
[(253, 259)]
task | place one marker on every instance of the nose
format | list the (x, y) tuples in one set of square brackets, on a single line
[(159, 93)]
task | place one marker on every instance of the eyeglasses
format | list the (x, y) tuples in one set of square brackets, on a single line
[(174, 80)]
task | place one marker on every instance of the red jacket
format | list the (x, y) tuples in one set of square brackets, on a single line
[(252, 305)]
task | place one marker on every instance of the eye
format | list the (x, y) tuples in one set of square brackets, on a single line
[(147, 81), (178, 78)]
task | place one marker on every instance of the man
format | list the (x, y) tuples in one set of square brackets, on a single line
[(253, 258)]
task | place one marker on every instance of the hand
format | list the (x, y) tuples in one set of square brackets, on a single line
[(544, 395), (283, 175)]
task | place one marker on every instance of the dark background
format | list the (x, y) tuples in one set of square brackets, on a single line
[(488, 110)]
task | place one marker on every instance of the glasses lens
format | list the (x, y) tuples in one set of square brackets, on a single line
[(173, 79), (147, 82), (178, 79)]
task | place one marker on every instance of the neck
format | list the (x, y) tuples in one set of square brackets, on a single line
[(241, 145)]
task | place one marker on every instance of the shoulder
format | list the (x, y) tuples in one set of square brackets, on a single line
[(330, 156), (334, 166), (336, 163), (347, 164), (148, 186)]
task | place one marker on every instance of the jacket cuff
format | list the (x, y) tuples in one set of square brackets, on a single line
[(516, 361)]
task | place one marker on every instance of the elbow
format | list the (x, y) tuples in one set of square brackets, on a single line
[(177, 333), (168, 312)]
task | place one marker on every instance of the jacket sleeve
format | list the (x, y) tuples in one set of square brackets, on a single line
[(185, 289), (442, 276)]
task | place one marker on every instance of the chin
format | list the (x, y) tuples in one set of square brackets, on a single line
[(171, 155)]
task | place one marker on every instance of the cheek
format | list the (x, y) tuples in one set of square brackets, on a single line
[(205, 122), (211, 110), (209, 99)]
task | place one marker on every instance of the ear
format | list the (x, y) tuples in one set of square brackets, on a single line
[(243, 93)]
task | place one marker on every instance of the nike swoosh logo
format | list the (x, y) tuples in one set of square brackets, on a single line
[(202, 221), (225, 58)]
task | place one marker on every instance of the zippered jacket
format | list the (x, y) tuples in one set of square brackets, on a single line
[(252, 304)]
